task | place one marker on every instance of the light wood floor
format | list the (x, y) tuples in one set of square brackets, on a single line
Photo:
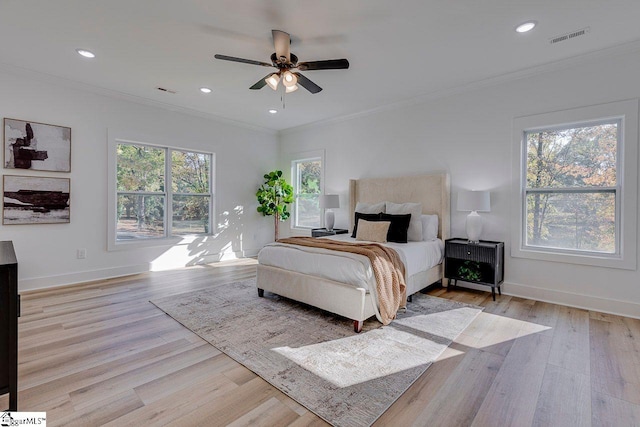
[(100, 353)]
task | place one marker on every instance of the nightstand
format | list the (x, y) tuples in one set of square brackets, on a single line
[(481, 263), (320, 232)]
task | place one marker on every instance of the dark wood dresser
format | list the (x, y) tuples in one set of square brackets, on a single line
[(9, 313)]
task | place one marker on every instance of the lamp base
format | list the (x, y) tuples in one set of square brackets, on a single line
[(474, 227), (329, 219)]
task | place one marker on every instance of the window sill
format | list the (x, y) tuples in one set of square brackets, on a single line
[(592, 260), (159, 242)]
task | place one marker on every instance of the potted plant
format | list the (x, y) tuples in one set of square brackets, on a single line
[(274, 196)]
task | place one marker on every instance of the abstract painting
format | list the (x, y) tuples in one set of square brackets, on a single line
[(35, 200), (36, 146)]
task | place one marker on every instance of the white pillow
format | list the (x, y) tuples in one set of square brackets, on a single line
[(429, 227), (370, 208), (414, 234)]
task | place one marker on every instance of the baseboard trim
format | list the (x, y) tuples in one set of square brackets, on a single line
[(586, 302), (46, 282)]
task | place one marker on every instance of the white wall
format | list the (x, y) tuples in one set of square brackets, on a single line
[(47, 253), (469, 134)]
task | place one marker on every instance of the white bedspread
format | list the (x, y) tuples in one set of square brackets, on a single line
[(346, 267)]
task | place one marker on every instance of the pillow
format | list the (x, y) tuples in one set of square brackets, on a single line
[(373, 231), (370, 208), (398, 228), (414, 234), (365, 216), (429, 227)]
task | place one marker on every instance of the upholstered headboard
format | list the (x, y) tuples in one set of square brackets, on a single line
[(432, 190)]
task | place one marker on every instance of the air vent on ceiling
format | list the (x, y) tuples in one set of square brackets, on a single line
[(569, 36), (166, 90)]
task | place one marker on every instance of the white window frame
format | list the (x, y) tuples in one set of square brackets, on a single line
[(168, 239), (626, 186), (300, 158)]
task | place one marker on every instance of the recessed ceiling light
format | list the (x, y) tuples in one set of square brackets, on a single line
[(273, 111), (526, 26), (86, 53), (205, 90)]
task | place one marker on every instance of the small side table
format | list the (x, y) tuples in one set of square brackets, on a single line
[(481, 263), (321, 232)]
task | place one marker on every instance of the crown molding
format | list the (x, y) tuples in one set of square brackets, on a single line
[(73, 84), (617, 50)]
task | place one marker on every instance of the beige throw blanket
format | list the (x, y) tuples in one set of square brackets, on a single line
[(388, 270)]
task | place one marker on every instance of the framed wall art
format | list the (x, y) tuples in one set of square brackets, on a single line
[(36, 146), (35, 200)]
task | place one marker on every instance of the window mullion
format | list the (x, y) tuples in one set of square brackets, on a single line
[(168, 188)]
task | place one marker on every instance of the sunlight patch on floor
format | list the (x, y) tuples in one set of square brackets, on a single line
[(412, 342)]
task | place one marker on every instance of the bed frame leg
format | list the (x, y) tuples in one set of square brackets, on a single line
[(357, 325), (410, 298), (260, 292)]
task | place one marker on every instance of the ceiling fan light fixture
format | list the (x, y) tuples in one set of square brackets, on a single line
[(289, 79), (273, 80), (290, 89)]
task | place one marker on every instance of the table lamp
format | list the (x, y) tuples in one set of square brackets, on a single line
[(328, 202), (474, 201)]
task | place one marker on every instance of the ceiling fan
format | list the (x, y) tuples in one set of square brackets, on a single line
[(285, 61)]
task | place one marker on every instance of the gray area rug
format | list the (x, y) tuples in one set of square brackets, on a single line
[(315, 357)]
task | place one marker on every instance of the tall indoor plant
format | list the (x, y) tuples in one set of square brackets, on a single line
[(274, 196)]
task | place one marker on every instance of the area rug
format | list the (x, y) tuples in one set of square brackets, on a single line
[(315, 357)]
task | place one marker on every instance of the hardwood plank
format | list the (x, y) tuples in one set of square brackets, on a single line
[(232, 405), (409, 406), (240, 375), (544, 314), (32, 397), (104, 411), (570, 347), (460, 398), (270, 413), (611, 412), (98, 390), (513, 396), (173, 407), (614, 362), (565, 399), (175, 381), (309, 420)]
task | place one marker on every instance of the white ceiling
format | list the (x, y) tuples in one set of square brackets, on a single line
[(398, 50)]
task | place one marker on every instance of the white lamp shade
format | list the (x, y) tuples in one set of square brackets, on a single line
[(289, 79), (329, 201), (273, 80), (470, 201)]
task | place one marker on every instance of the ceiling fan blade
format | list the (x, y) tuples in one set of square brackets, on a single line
[(282, 43), (260, 83), (245, 61), (307, 84), (329, 64)]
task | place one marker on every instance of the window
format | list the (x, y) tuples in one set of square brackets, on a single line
[(307, 177), (156, 183), (577, 185), (571, 192)]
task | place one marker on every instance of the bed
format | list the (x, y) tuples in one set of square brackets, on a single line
[(344, 291)]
